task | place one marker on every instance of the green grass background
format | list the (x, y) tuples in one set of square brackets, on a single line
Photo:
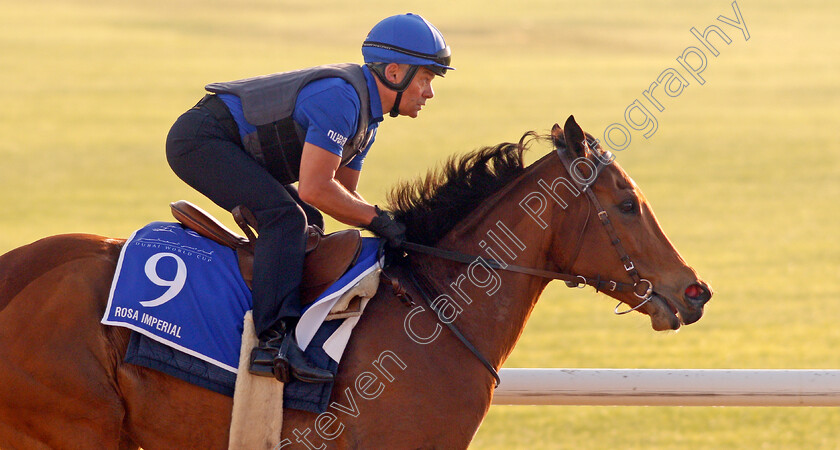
[(744, 171)]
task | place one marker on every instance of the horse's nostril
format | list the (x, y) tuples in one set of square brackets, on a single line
[(698, 293), (693, 291)]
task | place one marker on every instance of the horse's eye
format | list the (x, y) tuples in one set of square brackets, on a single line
[(627, 206)]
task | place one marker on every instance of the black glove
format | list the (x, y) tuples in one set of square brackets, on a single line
[(384, 225)]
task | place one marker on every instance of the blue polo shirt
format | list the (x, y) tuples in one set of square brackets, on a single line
[(328, 109)]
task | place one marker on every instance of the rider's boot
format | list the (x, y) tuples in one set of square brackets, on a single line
[(279, 356)]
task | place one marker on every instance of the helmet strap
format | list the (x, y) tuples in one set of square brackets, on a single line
[(378, 69), (395, 110)]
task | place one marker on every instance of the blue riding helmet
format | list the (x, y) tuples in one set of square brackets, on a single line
[(405, 39), (408, 39)]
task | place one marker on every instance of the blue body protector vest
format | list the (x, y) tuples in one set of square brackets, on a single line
[(268, 103)]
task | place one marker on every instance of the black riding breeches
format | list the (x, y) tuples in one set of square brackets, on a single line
[(210, 158)]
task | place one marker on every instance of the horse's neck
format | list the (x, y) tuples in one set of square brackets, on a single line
[(495, 303)]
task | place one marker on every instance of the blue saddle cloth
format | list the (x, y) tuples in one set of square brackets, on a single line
[(184, 298), (146, 352)]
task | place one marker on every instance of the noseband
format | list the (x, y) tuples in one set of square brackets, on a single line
[(584, 185), (641, 287)]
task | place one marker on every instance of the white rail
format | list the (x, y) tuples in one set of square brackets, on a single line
[(668, 387)]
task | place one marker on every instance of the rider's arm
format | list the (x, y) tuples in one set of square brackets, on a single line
[(330, 188), (349, 178)]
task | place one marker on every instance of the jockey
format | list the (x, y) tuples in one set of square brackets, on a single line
[(247, 141)]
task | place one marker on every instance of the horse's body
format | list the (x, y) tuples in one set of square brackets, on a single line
[(404, 381)]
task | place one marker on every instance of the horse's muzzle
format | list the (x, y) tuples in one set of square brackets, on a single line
[(698, 294)]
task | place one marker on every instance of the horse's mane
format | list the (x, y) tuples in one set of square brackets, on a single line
[(431, 206)]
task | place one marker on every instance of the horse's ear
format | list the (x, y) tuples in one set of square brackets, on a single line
[(575, 138), (557, 136)]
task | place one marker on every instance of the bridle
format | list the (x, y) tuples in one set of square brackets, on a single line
[(584, 185), (641, 287)]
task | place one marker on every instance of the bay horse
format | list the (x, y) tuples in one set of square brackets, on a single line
[(404, 381)]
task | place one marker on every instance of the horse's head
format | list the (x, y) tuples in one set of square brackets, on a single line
[(663, 286)]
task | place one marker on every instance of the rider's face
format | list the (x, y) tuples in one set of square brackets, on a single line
[(418, 91)]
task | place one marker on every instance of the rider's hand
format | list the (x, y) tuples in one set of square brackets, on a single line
[(384, 225)]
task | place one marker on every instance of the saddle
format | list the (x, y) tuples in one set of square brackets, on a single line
[(328, 256)]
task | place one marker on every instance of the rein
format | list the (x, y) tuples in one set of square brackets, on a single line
[(428, 299), (572, 280), (465, 258)]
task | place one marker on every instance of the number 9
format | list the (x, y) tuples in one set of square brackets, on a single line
[(174, 285)]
